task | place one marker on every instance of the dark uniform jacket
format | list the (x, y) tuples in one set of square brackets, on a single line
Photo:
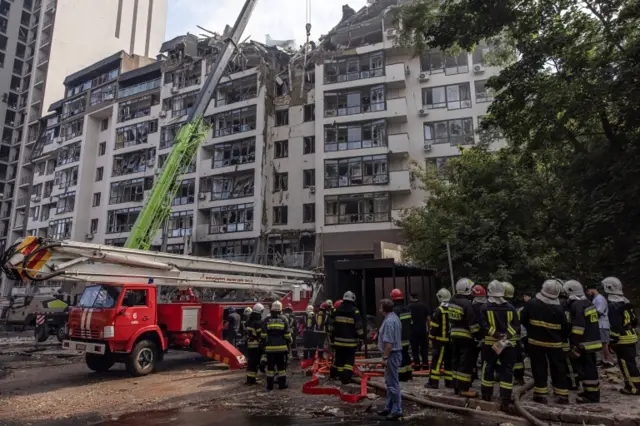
[(345, 327), (498, 321), (439, 330), (463, 320), (546, 324), (309, 322), (585, 330), (277, 334), (477, 312), (405, 320), (623, 323), (419, 315), (253, 331)]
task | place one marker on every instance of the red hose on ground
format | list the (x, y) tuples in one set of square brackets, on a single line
[(312, 387)]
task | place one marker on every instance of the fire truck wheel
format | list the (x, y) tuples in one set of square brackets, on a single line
[(61, 334), (41, 334), (99, 363), (142, 359)]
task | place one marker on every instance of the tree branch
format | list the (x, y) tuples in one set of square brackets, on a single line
[(604, 22), (608, 129)]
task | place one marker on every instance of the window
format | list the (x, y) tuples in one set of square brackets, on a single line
[(234, 153), (483, 93), (104, 124), (93, 229), (134, 162), (96, 199), (181, 104), (308, 145), (135, 298), (238, 250), (309, 213), (280, 181), (102, 149), (234, 121), (136, 108), (236, 218), (357, 208), (67, 177), (115, 242), (310, 112), (344, 137), (66, 203), (104, 94), (180, 224), (356, 101), (280, 215), (72, 129), (231, 187), (482, 51), (354, 68), (68, 154), (74, 107), (99, 173), (46, 210), (60, 229), (356, 171), (168, 135), (182, 78), (145, 86), (281, 149), (282, 117), (122, 220), (186, 193), (436, 62), (135, 134), (455, 96), (35, 213), (455, 132), (127, 191), (308, 178), (440, 164), (236, 91)]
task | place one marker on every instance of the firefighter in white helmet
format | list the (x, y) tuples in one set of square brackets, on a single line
[(464, 329), (254, 338), (439, 337), (345, 330), (308, 333), (277, 342)]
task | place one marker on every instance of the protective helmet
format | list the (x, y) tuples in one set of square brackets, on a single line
[(247, 311), (258, 308), (329, 302), (232, 310), (337, 304), (324, 305), (276, 306), (396, 294), (350, 296), (612, 285), (463, 286), (509, 290), (573, 288), (478, 291), (310, 309), (495, 289), (551, 289), (289, 306), (443, 295)]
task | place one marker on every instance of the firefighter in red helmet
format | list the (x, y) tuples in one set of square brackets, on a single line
[(404, 313)]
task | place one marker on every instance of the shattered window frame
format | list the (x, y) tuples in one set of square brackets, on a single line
[(168, 135), (483, 93), (66, 202), (308, 145), (60, 229), (128, 218), (66, 178), (281, 117), (451, 96), (186, 193), (351, 136), (436, 62), (123, 164), (129, 191), (135, 134), (308, 178), (281, 149), (309, 113), (280, 181), (232, 187), (370, 207), (104, 94), (137, 108), (356, 171), (181, 105), (72, 129), (180, 224), (309, 213), (355, 101), (434, 131), (93, 227), (74, 107), (351, 68), (69, 154), (233, 153), (231, 219), (280, 215), (235, 121), (239, 250), (238, 90)]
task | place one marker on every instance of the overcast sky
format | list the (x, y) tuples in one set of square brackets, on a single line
[(282, 19)]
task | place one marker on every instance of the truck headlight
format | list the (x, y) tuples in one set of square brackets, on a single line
[(108, 332)]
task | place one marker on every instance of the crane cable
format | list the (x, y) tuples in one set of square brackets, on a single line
[(306, 45)]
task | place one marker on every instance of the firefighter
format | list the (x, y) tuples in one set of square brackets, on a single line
[(293, 326), (419, 333), (253, 329), (518, 366), (404, 313), (439, 337), (572, 367), (333, 373), (243, 330), (309, 333), (345, 329), (464, 327), (479, 299), (278, 339), (584, 340), (500, 321), (623, 323), (233, 331), (547, 329), (320, 329)]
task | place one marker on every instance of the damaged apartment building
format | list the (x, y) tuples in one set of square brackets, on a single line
[(309, 154)]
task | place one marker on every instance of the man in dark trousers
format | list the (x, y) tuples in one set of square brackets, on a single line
[(404, 314), (308, 333), (254, 337), (275, 328), (419, 336), (441, 347), (233, 331), (345, 330)]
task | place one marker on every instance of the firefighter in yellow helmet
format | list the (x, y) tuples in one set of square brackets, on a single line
[(278, 340)]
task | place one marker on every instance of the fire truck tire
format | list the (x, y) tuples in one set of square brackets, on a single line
[(61, 334), (142, 359), (99, 363), (41, 334)]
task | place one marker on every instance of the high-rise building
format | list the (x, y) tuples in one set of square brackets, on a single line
[(42, 42)]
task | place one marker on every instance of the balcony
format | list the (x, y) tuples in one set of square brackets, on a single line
[(394, 76), (139, 88), (43, 59), (394, 110)]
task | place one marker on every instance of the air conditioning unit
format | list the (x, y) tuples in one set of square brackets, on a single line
[(392, 33), (89, 236), (427, 146), (330, 112), (175, 90), (202, 196), (423, 113), (312, 189), (423, 77), (478, 69), (162, 114)]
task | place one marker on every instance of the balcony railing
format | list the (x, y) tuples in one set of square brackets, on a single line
[(139, 88)]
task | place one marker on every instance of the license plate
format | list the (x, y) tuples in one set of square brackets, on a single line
[(81, 347)]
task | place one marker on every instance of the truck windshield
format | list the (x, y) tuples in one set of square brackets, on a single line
[(100, 296)]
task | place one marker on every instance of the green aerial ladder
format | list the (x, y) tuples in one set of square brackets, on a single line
[(157, 208)]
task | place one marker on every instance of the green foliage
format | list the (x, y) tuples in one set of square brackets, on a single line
[(564, 198)]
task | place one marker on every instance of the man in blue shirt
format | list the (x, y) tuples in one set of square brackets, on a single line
[(390, 344)]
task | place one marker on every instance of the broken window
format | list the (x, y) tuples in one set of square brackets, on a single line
[(437, 62), (354, 68), (72, 130), (309, 213), (308, 145), (46, 210), (236, 91), (281, 149), (137, 108), (68, 154), (180, 224), (357, 208), (135, 134), (280, 181), (131, 190), (308, 178), (282, 86), (282, 117), (48, 188), (309, 112), (483, 93), (66, 202), (168, 135), (186, 193), (34, 212), (66, 178), (234, 121), (344, 137), (93, 229), (231, 187), (134, 162), (440, 164), (99, 174), (358, 101), (74, 107), (104, 94), (182, 104), (60, 229), (356, 171), (97, 197), (102, 149), (454, 96), (236, 218), (36, 190), (186, 76), (237, 250), (280, 215), (454, 132), (122, 220), (234, 153)]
